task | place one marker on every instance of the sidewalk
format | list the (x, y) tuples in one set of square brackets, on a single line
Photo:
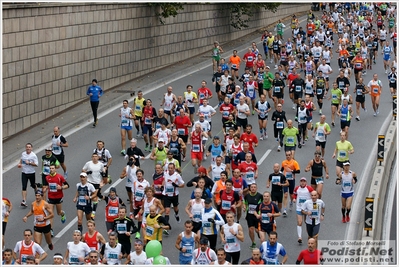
[(72, 118)]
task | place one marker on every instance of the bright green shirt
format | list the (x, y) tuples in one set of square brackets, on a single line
[(343, 150), (290, 136), (336, 95), (267, 84)]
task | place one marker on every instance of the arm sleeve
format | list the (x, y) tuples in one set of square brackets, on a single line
[(190, 183)]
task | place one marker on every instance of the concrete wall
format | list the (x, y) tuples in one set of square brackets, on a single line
[(51, 52)]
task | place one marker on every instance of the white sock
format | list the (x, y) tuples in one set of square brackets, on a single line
[(299, 230)]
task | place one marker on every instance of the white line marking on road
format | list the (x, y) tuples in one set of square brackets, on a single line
[(75, 220), (264, 157)]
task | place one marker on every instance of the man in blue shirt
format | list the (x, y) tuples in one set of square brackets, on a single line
[(95, 92)]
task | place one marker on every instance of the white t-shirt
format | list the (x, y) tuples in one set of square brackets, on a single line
[(96, 169), (31, 157), (241, 110), (138, 259), (169, 189), (77, 251), (207, 111)]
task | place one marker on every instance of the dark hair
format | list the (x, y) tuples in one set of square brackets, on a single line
[(94, 80), (229, 181)]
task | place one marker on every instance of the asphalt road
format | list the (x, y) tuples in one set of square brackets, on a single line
[(82, 143)]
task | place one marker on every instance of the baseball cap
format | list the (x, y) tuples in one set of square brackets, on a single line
[(48, 149), (202, 115), (204, 240), (83, 174), (267, 67), (169, 153), (216, 137), (346, 163), (112, 189), (303, 179), (161, 140), (208, 201)]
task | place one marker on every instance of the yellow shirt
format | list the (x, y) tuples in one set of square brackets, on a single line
[(138, 106), (152, 233)]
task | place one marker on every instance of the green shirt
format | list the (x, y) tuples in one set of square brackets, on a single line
[(160, 155), (290, 136), (267, 84), (336, 95), (343, 150)]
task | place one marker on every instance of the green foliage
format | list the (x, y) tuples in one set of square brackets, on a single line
[(241, 13), (165, 10)]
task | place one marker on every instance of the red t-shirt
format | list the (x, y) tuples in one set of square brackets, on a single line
[(250, 58), (251, 139), (310, 257), (179, 123), (291, 77), (226, 110), (204, 93), (53, 181)]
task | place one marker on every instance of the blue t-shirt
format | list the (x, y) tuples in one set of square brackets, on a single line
[(97, 92)]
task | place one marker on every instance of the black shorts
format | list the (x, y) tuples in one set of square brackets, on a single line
[(298, 95), (357, 71), (322, 144), (128, 189), (86, 209), (171, 200), (392, 85), (267, 227), (196, 226), (96, 186), (310, 95), (138, 118), (191, 109), (278, 95), (290, 188), (277, 132), (289, 148), (167, 112), (276, 51), (284, 63), (339, 164), (277, 196), (320, 96), (227, 160), (345, 124), (4, 227), (184, 138), (45, 229), (60, 158), (360, 98), (126, 246), (159, 196), (262, 119), (252, 221), (241, 122), (31, 177), (312, 230), (55, 201)]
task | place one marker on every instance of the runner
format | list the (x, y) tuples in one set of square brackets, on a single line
[(26, 248), (190, 99), (47, 160), (342, 150), (112, 251), (278, 181), (104, 157), (215, 149), (231, 199), (159, 153), (345, 113), (216, 168), (149, 113), (177, 144), (375, 86), (197, 148), (208, 111), (316, 165), (216, 51), (138, 256), (278, 90), (393, 78), (204, 255), (210, 219), (360, 90), (6, 208), (185, 243), (335, 97), (168, 103), (139, 103), (266, 211), (42, 213), (127, 114), (243, 112), (314, 210), (204, 92), (279, 118), (251, 202), (320, 132), (271, 249), (288, 138), (84, 194), (124, 228), (58, 141), (230, 235), (302, 116), (347, 179), (263, 108), (302, 193), (311, 255), (235, 62), (289, 167), (92, 237), (27, 162)]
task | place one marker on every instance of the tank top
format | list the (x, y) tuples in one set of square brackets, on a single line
[(346, 182), (189, 244), (130, 175), (317, 169), (40, 212), (309, 86), (168, 102), (216, 170), (57, 150), (320, 135), (148, 114), (196, 209), (138, 106), (308, 106), (216, 151), (308, 67), (25, 251), (196, 142), (82, 192), (283, 56), (174, 147), (345, 115), (111, 209), (250, 89), (152, 233), (112, 254), (343, 97), (139, 188), (92, 241), (263, 107), (203, 258), (146, 208), (160, 155), (189, 96), (125, 114), (232, 243), (302, 117), (264, 210)]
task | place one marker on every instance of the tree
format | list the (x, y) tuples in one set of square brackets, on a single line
[(240, 13)]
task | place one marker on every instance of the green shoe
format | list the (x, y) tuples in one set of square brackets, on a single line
[(109, 179), (253, 246), (253, 112), (138, 235), (147, 147)]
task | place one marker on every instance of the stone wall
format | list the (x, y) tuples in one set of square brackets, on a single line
[(51, 52)]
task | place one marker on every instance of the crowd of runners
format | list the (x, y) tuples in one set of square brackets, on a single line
[(224, 189)]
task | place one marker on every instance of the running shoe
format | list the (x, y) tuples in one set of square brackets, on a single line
[(93, 216), (333, 124), (343, 220), (378, 112), (253, 246), (66, 175), (50, 246), (285, 213), (293, 106), (23, 204), (300, 240), (357, 118), (375, 114), (291, 204), (320, 112), (261, 138), (94, 124), (278, 148), (165, 232), (347, 218), (184, 159), (123, 152), (266, 136), (205, 157), (177, 218), (147, 146), (63, 217), (52, 233), (109, 179), (253, 112)]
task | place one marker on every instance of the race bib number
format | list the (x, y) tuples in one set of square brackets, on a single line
[(290, 140), (52, 187), (319, 91), (279, 125), (121, 228), (112, 211), (149, 231), (275, 179), (277, 89), (181, 131), (196, 148), (226, 205), (265, 218), (298, 88), (82, 201)]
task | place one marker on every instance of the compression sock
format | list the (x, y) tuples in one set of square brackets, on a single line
[(167, 218), (347, 211), (343, 212), (95, 206), (299, 231)]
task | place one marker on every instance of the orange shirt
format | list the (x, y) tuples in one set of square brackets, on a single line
[(235, 62), (290, 164), (219, 187), (310, 28), (343, 52)]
